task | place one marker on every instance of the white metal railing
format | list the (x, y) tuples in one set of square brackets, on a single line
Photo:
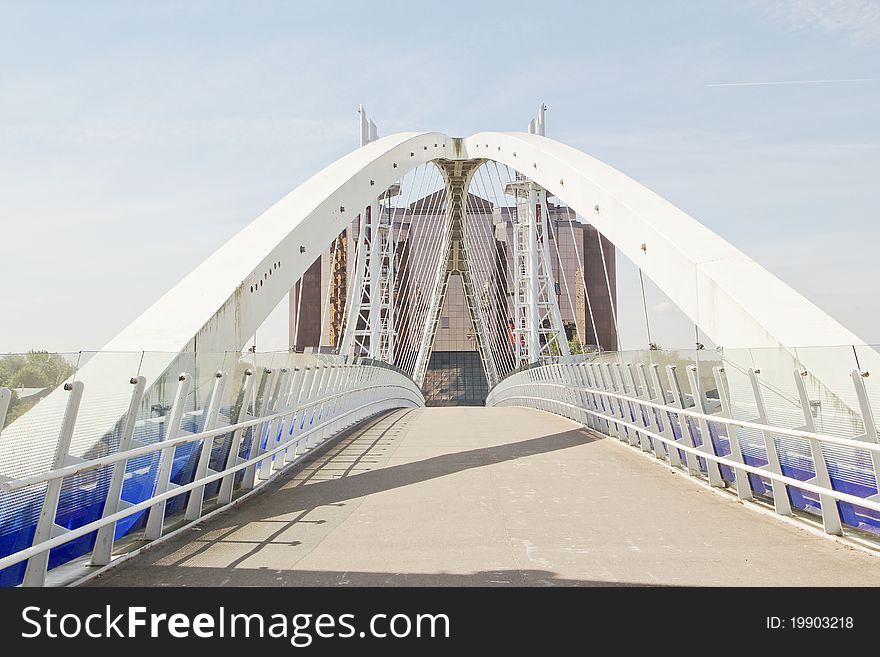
[(631, 403), (294, 412)]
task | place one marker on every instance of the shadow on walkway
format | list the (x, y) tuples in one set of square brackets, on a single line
[(305, 496), (202, 576)]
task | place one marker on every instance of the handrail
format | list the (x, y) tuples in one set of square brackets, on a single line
[(93, 464), (757, 470), (744, 424), (73, 534), (643, 418)]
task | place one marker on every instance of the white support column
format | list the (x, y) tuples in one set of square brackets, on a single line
[(743, 485), (251, 437), (708, 445), (652, 394), (263, 402), (283, 404), (314, 395), (324, 411), (290, 420), (626, 409), (212, 412), (672, 452), (156, 516), (233, 458), (678, 401), (35, 572), (870, 434), (114, 502), (5, 399), (274, 426), (828, 505), (298, 420), (781, 502), (649, 420)]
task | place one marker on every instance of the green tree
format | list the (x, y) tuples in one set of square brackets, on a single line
[(35, 369), (574, 346)]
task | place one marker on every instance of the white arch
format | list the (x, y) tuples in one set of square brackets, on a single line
[(734, 301), (213, 309)]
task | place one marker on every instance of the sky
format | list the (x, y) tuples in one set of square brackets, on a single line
[(137, 137)]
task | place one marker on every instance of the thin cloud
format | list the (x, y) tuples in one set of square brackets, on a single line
[(856, 20), (784, 82)]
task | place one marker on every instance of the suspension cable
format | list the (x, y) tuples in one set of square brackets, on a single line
[(418, 269), (645, 306), (506, 354), (433, 274), (562, 270), (407, 222), (510, 280), (480, 258), (608, 284)]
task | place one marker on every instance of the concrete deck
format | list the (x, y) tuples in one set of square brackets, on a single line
[(490, 497)]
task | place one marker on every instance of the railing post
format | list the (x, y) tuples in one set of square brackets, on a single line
[(613, 405), (659, 420), (743, 485), (233, 458), (827, 504), (780, 491), (5, 399), (296, 422), (113, 502), (870, 434), (325, 416), (601, 400), (274, 426), (289, 419), (212, 412), (629, 407), (312, 413), (37, 565), (262, 401), (578, 393), (337, 403), (557, 394), (672, 452), (713, 472), (156, 515), (581, 372), (693, 465), (649, 419), (365, 393)]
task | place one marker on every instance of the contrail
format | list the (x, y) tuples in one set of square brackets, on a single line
[(762, 84)]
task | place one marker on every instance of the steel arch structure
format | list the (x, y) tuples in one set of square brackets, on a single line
[(731, 298), (735, 301)]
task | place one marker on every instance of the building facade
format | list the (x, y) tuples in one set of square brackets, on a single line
[(584, 270)]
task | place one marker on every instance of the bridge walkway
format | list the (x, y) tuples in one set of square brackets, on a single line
[(490, 496)]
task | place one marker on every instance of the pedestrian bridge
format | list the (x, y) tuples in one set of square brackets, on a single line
[(587, 465)]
